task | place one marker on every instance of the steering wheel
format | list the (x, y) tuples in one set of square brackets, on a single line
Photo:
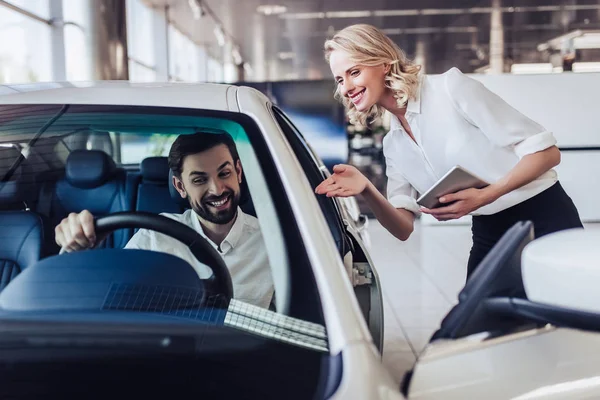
[(202, 250)]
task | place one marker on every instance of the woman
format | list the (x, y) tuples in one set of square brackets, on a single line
[(438, 122)]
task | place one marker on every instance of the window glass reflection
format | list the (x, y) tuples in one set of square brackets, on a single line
[(25, 54)]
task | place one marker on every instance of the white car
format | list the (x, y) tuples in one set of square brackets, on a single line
[(101, 147), (109, 320)]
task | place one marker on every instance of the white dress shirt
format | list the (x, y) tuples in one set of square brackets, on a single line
[(243, 251), (456, 120)]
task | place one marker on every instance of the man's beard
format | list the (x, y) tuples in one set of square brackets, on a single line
[(222, 217)]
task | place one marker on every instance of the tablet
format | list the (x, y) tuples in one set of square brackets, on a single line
[(455, 180)]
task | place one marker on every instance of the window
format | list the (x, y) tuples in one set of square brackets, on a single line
[(77, 57), (214, 70), (41, 8), (183, 57), (312, 167), (25, 54), (140, 42), (136, 147), (167, 289)]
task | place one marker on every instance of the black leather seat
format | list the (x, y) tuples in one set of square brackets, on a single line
[(21, 231), (153, 189), (91, 182)]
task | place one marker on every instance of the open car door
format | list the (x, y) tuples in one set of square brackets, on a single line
[(348, 228)]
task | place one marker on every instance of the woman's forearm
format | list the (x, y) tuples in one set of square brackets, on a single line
[(527, 169), (398, 222)]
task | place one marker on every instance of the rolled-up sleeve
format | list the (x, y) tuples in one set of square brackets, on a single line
[(500, 122), (400, 192)]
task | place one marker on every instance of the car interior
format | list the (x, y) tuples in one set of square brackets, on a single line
[(80, 166), (60, 174)]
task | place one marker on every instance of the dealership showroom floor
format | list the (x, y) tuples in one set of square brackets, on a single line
[(421, 279)]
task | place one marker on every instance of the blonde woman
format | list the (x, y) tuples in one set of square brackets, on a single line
[(438, 122)]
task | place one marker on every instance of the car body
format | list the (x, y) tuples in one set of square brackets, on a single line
[(348, 287)]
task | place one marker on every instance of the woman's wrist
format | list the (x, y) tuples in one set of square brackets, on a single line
[(492, 193), (369, 189)]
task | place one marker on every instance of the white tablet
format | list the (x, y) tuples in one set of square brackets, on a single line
[(455, 180)]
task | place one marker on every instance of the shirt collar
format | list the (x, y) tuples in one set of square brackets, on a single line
[(394, 123), (232, 238), (414, 105)]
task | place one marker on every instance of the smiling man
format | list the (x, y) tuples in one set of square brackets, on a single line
[(208, 173)]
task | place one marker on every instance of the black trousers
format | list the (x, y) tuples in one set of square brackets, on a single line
[(550, 211)]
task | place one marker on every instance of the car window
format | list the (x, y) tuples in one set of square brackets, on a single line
[(64, 159), (315, 172)]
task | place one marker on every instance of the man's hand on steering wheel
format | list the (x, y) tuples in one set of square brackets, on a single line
[(77, 232)]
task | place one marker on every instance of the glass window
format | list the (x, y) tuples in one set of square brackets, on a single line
[(214, 70), (25, 54), (140, 37), (315, 172), (166, 293), (183, 57), (140, 73), (136, 147), (77, 55), (41, 8)]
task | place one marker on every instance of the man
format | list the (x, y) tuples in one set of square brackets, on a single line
[(207, 171)]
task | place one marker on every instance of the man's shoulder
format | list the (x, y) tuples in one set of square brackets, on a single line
[(251, 224), (152, 240)]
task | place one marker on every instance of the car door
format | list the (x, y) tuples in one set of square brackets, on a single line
[(346, 230)]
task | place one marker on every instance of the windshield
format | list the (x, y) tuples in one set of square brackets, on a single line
[(245, 287)]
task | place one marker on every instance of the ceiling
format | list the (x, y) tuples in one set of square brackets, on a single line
[(452, 33)]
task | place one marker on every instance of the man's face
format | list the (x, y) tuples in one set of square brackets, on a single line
[(211, 182)]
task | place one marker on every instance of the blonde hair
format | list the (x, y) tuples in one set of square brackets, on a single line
[(370, 47)]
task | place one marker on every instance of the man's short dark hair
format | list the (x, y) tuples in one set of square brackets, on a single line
[(198, 142)]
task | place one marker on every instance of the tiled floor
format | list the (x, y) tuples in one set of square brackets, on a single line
[(421, 279)]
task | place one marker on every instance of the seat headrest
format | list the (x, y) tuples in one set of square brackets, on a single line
[(181, 202), (88, 169), (155, 169), (10, 192)]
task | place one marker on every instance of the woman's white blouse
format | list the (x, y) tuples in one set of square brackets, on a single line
[(456, 120)]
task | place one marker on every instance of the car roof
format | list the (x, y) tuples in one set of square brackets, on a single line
[(207, 96)]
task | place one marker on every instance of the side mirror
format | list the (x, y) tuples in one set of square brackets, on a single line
[(562, 269)]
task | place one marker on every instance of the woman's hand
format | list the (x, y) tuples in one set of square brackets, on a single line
[(463, 203), (346, 181)]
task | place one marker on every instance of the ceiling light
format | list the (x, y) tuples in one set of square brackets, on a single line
[(237, 57), (531, 68), (307, 15), (348, 14), (268, 9), (286, 55), (196, 7), (220, 35), (588, 41), (579, 39), (248, 69), (586, 67)]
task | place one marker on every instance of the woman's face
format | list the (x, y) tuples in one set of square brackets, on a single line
[(363, 85)]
